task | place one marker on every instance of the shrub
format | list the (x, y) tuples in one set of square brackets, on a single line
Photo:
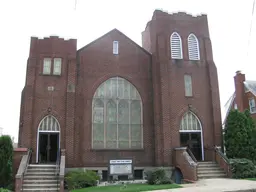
[(6, 154), (157, 177), (238, 135), (4, 190), (242, 168), (81, 179)]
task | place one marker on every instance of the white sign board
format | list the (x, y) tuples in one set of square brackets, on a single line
[(121, 169)]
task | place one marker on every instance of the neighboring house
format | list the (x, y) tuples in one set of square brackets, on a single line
[(244, 96), (115, 100)]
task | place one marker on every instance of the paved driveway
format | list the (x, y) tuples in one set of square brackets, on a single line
[(217, 185)]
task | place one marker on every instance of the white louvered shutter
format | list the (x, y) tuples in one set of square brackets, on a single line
[(176, 46), (193, 48)]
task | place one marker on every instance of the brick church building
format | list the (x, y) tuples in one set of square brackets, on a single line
[(115, 100)]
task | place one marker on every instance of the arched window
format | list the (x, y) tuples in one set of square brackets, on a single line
[(176, 46), (193, 48), (190, 123), (49, 124), (117, 116)]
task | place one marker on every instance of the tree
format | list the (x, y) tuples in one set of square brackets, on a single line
[(238, 135), (6, 155)]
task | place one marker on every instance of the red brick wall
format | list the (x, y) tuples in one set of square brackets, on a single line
[(159, 81), (97, 64), (168, 81), (17, 156)]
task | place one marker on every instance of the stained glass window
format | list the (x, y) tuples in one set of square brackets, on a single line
[(190, 122), (117, 116)]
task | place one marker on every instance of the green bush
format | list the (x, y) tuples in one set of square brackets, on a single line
[(157, 177), (81, 179), (6, 155), (242, 168), (238, 136), (4, 190)]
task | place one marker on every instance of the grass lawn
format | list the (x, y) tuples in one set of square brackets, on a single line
[(129, 188), (251, 179)]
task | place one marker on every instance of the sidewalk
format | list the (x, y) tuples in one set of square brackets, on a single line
[(217, 185)]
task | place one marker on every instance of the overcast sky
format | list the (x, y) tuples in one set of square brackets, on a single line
[(229, 24)]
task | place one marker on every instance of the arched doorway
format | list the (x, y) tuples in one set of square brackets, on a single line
[(191, 134), (48, 140)]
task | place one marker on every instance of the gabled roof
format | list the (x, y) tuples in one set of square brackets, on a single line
[(228, 105), (251, 86), (115, 30)]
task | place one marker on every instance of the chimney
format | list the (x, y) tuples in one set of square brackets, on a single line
[(239, 90)]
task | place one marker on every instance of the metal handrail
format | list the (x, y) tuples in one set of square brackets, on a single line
[(26, 167), (57, 169), (224, 157)]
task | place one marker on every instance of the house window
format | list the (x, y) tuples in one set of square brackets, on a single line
[(47, 66), (176, 46), (117, 116), (57, 66), (193, 48), (235, 106), (115, 47), (252, 105), (188, 85)]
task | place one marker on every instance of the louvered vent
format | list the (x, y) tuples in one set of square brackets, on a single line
[(176, 46), (193, 48)]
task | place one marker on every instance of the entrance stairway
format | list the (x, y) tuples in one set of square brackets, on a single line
[(209, 170), (41, 178)]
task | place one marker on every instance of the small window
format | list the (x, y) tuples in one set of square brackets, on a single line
[(47, 66), (193, 48), (176, 46), (115, 47), (57, 66), (252, 105), (188, 85), (235, 106)]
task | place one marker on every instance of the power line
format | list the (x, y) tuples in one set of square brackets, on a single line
[(250, 32)]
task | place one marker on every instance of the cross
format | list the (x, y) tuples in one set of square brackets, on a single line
[(51, 89)]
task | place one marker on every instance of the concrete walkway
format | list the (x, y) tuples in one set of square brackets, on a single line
[(217, 185)]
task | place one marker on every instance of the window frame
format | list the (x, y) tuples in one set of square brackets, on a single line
[(127, 99), (54, 67), (50, 67), (185, 85), (172, 46), (252, 108), (193, 52), (115, 47)]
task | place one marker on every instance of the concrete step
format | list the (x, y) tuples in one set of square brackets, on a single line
[(31, 166), (210, 171), (208, 168), (33, 181), (41, 177), (206, 162), (207, 165), (211, 175), (41, 185), (40, 173), (42, 189)]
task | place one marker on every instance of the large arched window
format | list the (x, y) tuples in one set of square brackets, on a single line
[(176, 46), (190, 123), (193, 48), (117, 116)]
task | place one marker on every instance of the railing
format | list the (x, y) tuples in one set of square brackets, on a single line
[(28, 161), (223, 161), (57, 169), (191, 154)]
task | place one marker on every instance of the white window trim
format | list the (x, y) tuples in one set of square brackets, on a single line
[(178, 49), (115, 47), (252, 108), (193, 52), (57, 69), (46, 72)]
